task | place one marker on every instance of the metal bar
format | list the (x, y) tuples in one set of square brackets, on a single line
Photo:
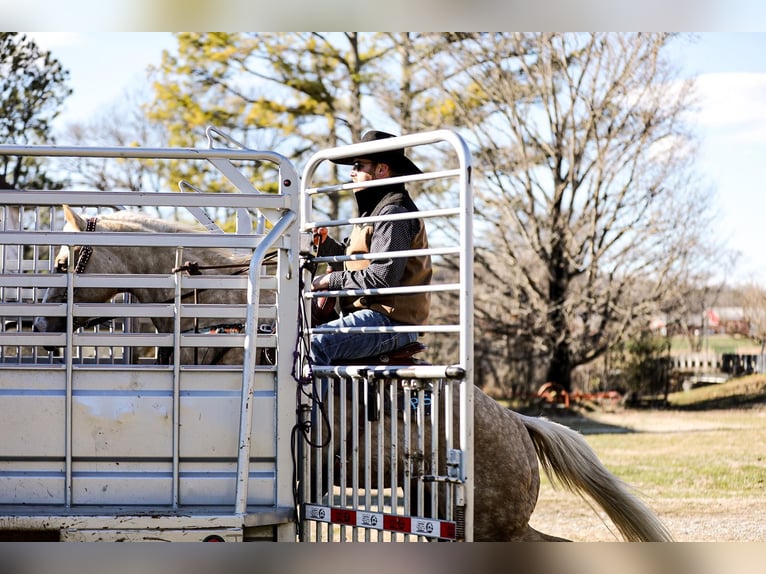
[(96, 239), (143, 199), (390, 217), (141, 152), (387, 290), (398, 329), (250, 343), (177, 299), (392, 371), (387, 255)]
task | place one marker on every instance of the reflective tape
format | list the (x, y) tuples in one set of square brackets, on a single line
[(431, 528)]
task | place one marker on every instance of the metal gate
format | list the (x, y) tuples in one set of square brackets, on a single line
[(100, 441), (388, 447)]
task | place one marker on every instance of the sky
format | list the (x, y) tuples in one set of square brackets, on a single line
[(730, 68)]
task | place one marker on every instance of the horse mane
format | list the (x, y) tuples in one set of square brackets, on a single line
[(134, 221)]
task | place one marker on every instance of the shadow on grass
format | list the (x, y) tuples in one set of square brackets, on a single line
[(576, 419), (718, 403)]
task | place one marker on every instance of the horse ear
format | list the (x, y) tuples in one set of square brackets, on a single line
[(74, 219)]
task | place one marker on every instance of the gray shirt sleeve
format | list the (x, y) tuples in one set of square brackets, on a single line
[(387, 236)]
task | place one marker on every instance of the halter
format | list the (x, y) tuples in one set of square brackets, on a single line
[(86, 251), (82, 262)]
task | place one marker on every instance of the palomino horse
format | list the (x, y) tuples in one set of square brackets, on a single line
[(509, 447), (149, 260)]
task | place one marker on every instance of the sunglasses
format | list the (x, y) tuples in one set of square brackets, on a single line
[(359, 165)]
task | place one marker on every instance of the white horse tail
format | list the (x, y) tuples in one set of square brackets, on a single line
[(568, 460)]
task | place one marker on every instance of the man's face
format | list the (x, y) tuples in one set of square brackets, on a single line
[(366, 170)]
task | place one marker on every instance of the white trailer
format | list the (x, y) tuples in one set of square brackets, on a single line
[(101, 441)]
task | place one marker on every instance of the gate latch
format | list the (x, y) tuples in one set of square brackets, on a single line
[(455, 464)]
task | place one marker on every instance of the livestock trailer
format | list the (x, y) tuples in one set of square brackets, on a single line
[(114, 426)]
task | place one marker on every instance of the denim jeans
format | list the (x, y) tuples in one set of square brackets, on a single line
[(329, 347)]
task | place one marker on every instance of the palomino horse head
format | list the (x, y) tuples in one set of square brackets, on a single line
[(129, 259), (86, 260)]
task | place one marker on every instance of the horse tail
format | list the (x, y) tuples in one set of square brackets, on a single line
[(568, 460)]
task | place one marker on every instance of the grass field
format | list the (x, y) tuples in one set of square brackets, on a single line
[(701, 465)]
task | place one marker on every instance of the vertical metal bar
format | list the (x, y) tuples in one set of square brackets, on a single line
[(68, 403), (449, 429), (421, 427), (381, 454), (177, 379), (355, 450), (343, 413), (330, 480), (367, 450), (394, 471), (435, 433), (466, 331), (251, 347), (407, 430)]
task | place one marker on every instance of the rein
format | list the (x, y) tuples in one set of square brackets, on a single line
[(194, 268)]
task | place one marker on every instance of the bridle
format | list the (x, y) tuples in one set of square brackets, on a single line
[(86, 250)]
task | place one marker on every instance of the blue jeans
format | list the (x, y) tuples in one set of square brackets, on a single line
[(329, 347)]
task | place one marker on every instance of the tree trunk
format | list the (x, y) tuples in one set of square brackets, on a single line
[(560, 368)]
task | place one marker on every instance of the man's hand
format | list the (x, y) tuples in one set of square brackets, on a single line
[(321, 282), (318, 237)]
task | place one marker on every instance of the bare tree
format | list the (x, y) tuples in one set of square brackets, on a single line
[(754, 309), (590, 213), (123, 124)]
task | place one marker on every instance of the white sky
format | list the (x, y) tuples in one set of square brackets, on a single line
[(730, 67)]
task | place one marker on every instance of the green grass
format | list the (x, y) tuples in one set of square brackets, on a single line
[(733, 393), (683, 465), (711, 440)]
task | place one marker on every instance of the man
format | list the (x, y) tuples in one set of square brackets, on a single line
[(389, 235)]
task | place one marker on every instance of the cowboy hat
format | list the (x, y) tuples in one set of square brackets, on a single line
[(394, 158)]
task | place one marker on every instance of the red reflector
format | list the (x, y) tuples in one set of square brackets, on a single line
[(342, 516), (213, 538), (396, 523), (447, 530)]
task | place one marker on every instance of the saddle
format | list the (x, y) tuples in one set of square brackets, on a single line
[(401, 356)]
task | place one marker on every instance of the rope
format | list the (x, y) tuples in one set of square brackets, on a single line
[(194, 268)]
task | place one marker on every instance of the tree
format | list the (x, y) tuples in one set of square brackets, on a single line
[(292, 93), (298, 92), (33, 86), (591, 214), (124, 124), (754, 308)]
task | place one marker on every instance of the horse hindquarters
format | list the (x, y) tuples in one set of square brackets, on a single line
[(506, 474)]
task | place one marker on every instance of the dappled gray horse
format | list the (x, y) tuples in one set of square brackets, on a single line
[(509, 449)]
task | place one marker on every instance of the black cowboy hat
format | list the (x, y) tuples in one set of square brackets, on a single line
[(394, 158)]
